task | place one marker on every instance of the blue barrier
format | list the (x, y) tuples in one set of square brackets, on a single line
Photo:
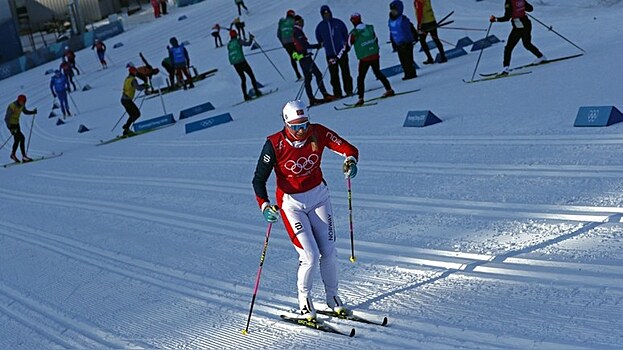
[(198, 109), (394, 70), (208, 122), (485, 42), (154, 123), (182, 17), (182, 3), (452, 53), (420, 119), (61, 122), (82, 128), (464, 41), (598, 116), (117, 45)]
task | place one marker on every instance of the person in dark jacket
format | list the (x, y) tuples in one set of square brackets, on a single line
[(11, 119), (65, 67), (240, 5), (332, 34), (237, 59), (308, 66), (70, 55), (402, 34), (515, 11), (59, 85), (181, 61), (285, 31), (216, 34), (100, 50)]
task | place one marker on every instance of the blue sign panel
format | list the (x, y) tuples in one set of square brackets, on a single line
[(208, 122), (598, 116), (189, 112), (154, 123), (421, 118)]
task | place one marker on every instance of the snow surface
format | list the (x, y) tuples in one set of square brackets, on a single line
[(498, 228)]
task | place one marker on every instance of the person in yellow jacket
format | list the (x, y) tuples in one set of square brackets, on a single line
[(11, 118), (130, 85), (426, 23)]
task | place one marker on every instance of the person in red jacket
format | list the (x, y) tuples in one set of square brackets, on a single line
[(516, 11), (294, 154)]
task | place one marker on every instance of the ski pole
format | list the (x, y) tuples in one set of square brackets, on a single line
[(300, 92), (481, 50), (350, 218), (555, 32), (74, 103), (5, 142), (268, 58), (30, 133), (245, 331)]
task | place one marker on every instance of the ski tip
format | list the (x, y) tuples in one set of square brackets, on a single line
[(384, 322), (352, 332)]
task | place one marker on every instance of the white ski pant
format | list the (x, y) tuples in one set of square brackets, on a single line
[(308, 217)]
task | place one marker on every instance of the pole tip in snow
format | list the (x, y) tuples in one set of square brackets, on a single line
[(353, 259)]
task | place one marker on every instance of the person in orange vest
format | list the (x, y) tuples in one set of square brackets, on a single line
[(11, 118), (426, 23)]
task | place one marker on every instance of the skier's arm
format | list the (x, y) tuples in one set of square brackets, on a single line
[(508, 12), (264, 167)]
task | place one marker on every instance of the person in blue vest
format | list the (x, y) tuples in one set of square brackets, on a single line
[(516, 12), (285, 32), (402, 34), (308, 66), (366, 45), (181, 61), (59, 86), (332, 34), (237, 59)]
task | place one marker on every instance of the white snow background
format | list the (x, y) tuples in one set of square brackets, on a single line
[(499, 228)]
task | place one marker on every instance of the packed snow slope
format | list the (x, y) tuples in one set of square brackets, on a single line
[(499, 228)]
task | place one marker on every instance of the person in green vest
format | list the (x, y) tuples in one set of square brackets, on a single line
[(237, 59), (130, 85), (366, 44), (11, 118), (285, 32)]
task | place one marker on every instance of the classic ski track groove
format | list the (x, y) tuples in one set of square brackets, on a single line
[(185, 290)]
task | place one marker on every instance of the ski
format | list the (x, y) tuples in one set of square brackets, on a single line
[(36, 159), (353, 317), (534, 65), (351, 106), (156, 92), (256, 97), (318, 325), (497, 76), (371, 102), (123, 137)]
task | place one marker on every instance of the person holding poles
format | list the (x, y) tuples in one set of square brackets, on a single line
[(366, 44), (100, 49), (402, 34), (294, 153), (426, 23), (237, 59), (11, 119), (516, 12), (59, 85), (130, 85), (285, 32)]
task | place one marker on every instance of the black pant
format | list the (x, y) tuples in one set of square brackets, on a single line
[(525, 34), (241, 4), (18, 139), (405, 56), (163, 6), (217, 39), (309, 68), (431, 28), (376, 69), (341, 64), (290, 49), (241, 69), (133, 112)]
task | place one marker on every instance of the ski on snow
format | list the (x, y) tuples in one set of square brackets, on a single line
[(535, 64), (318, 325), (373, 100), (36, 159), (351, 316), (497, 76), (256, 97)]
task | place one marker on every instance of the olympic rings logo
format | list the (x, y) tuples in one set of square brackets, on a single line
[(302, 163)]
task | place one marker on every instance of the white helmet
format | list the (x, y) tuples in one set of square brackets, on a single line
[(294, 110)]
